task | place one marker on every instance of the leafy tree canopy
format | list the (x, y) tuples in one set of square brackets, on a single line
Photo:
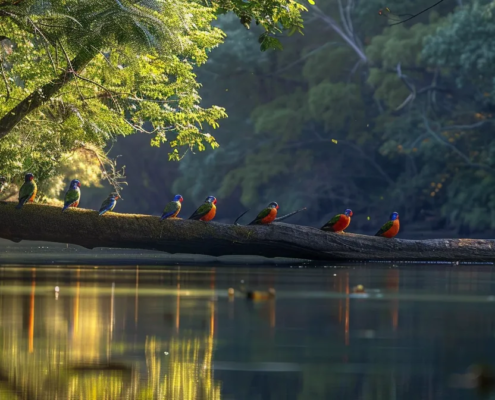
[(77, 74)]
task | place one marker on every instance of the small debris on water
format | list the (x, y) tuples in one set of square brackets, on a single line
[(231, 291), (259, 295), (57, 289), (166, 353), (358, 289)]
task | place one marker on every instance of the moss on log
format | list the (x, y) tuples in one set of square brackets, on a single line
[(130, 231)]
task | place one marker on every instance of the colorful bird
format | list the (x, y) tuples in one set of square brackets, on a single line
[(339, 223), (206, 211), (267, 215), (73, 195), (109, 203), (391, 228), (3, 183), (28, 191), (172, 209)]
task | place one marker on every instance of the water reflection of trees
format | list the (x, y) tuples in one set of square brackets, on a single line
[(66, 352)]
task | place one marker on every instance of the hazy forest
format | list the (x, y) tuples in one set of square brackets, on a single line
[(348, 113)]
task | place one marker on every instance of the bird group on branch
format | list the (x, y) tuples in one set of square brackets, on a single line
[(205, 212)]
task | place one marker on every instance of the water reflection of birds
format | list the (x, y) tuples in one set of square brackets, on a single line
[(479, 377)]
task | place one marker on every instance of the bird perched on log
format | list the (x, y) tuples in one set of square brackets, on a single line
[(339, 223), (172, 209), (3, 183), (391, 228), (109, 203), (73, 195), (206, 211), (267, 215), (28, 191)]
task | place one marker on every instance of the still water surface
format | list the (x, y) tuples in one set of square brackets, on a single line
[(175, 334)]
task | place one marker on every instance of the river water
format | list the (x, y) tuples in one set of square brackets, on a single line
[(175, 333)]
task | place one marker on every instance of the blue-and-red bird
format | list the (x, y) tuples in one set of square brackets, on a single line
[(28, 190), (391, 228), (172, 209), (267, 215), (339, 223), (73, 195), (206, 211), (109, 203)]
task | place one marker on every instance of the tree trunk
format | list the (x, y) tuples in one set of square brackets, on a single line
[(130, 231), (45, 93)]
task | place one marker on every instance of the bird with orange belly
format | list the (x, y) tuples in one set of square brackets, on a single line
[(267, 215), (339, 223), (28, 191), (391, 228), (206, 211)]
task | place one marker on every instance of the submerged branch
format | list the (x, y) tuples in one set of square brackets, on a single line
[(85, 228)]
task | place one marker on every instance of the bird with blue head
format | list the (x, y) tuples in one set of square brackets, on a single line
[(206, 211), (391, 228), (339, 223), (172, 208), (73, 195), (28, 190), (109, 203)]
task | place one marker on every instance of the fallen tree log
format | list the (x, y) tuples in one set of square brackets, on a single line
[(85, 228)]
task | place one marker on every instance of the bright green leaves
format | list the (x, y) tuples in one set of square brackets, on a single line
[(274, 16), (124, 89)]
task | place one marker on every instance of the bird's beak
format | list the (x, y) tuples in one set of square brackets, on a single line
[(215, 201), (181, 199), (79, 184), (277, 207)]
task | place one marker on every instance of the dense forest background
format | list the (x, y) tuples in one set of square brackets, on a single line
[(353, 114)]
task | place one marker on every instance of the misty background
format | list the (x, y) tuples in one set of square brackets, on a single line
[(354, 114)]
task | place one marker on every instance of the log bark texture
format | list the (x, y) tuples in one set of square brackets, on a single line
[(85, 228)]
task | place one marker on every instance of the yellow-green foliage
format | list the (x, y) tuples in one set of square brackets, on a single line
[(141, 78)]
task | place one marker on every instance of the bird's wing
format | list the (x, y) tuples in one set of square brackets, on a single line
[(26, 191), (262, 214), (332, 222), (170, 209), (385, 228), (202, 210), (71, 196), (107, 205)]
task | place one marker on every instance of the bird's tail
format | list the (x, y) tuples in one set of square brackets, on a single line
[(102, 212), (163, 217), (21, 204), (289, 215), (239, 217), (65, 208)]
